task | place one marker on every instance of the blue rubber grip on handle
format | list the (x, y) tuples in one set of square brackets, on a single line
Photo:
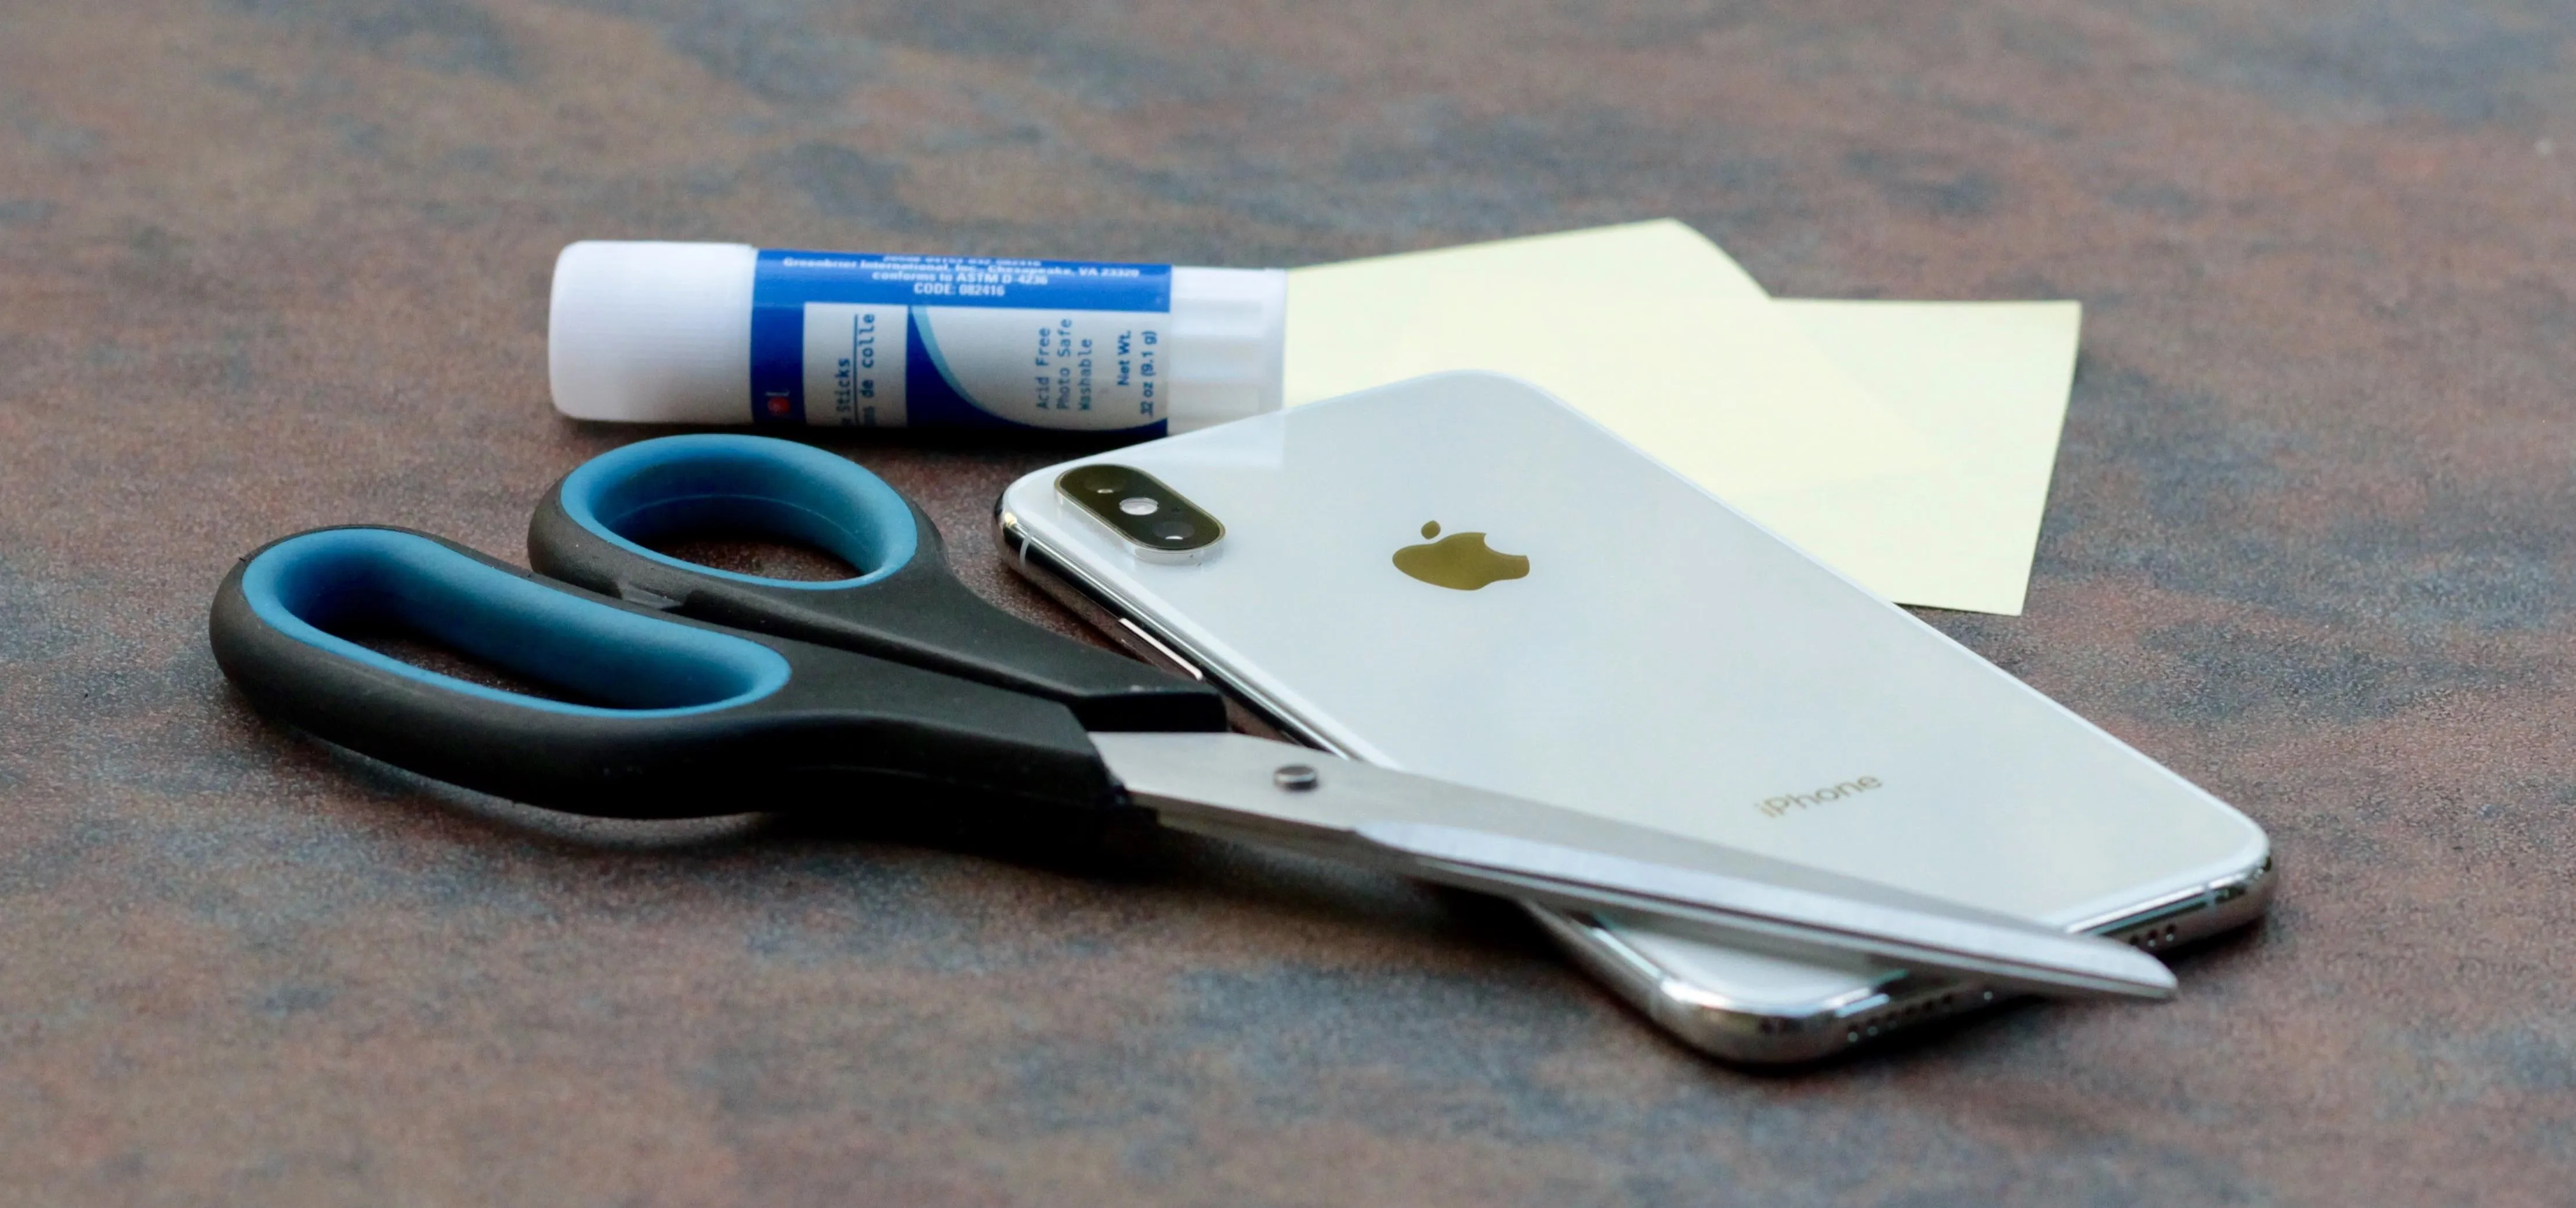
[(593, 528), (744, 484), (307, 584), (679, 718)]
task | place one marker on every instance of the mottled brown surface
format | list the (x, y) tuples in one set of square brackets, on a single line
[(267, 264)]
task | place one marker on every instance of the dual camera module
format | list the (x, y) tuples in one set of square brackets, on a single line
[(1138, 507)]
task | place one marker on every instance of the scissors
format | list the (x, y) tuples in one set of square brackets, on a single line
[(681, 690)]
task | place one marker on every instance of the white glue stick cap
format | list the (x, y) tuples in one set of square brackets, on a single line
[(1229, 343), (656, 333)]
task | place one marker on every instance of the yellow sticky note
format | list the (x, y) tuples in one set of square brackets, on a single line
[(1734, 397), (1986, 383), (1344, 318), (1906, 443), (1693, 366)]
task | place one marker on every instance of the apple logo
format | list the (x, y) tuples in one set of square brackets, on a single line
[(1458, 561)]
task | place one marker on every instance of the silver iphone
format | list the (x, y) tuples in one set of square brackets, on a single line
[(1461, 576)]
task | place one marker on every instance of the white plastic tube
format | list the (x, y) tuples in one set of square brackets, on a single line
[(725, 333)]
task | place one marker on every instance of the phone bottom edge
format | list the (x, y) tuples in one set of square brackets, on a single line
[(1745, 1034)]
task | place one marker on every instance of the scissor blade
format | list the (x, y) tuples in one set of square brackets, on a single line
[(2017, 956), (1248, 788)]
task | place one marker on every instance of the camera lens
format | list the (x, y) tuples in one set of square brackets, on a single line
[(1155, 521)]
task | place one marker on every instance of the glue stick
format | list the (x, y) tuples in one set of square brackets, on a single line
[(725, 333)]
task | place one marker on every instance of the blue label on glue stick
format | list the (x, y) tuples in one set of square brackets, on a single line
[(847, 340)]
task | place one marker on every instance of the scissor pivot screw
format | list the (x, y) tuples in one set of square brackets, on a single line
[(1296, 778)]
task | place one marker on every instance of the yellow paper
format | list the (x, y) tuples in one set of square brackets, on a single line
[(1987, 383), (1718, 385), (1344, 319), (1906, 443)]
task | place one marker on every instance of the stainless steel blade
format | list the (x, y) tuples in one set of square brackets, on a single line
[(1241, 787), (2006, 955)]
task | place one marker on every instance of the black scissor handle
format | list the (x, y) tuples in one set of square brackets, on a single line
[(674, 718), (904, 604)]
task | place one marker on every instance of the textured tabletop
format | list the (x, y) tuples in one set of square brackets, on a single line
[(270, 264)]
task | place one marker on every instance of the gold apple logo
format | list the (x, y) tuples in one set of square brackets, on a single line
[(1459, 561)]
